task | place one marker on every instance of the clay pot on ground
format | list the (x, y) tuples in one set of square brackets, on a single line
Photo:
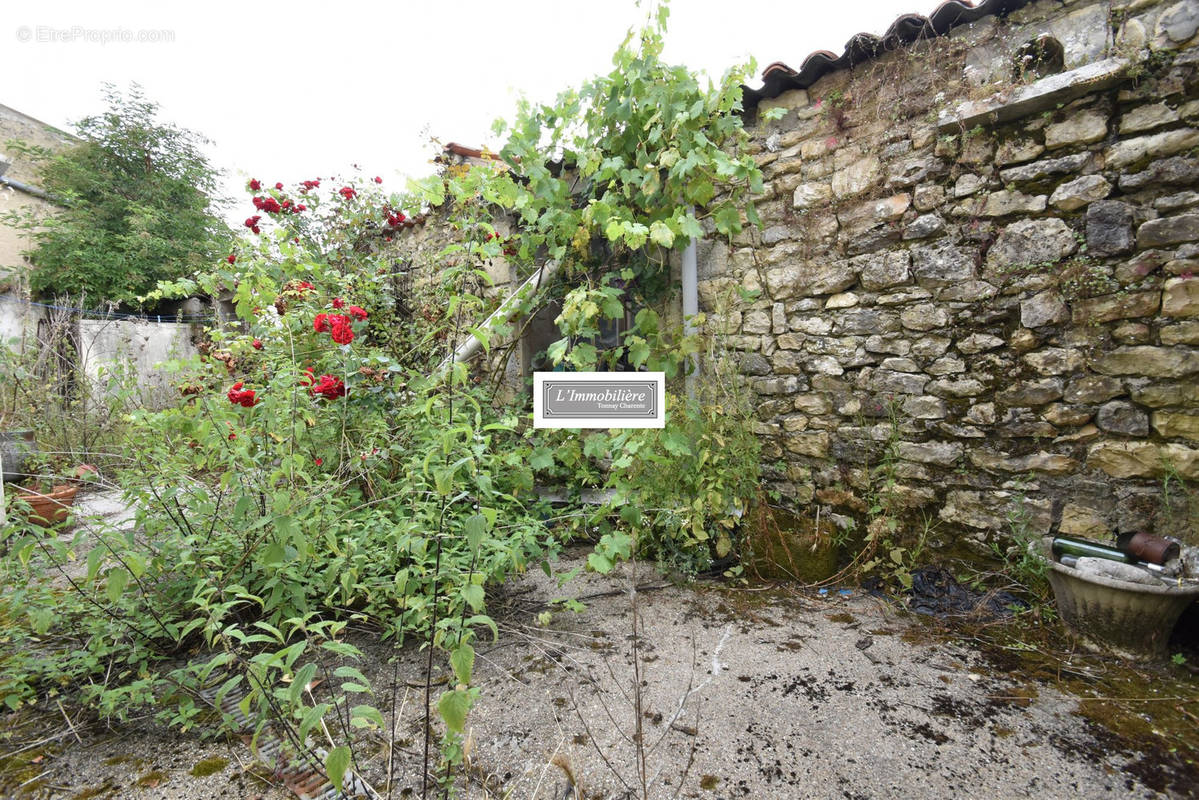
[(48, 508)]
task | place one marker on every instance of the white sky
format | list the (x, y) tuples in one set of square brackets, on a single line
[(289, 91)]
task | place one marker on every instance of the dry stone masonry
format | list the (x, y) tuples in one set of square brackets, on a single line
[(992, 258)]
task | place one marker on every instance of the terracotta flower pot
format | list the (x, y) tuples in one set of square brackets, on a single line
[(1130, 619), (49, 508)]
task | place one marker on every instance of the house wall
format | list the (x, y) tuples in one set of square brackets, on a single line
[(16, 126), (990, 265), (18, 321)]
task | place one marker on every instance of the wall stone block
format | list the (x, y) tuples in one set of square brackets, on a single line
[(1049, 463), (1168, 231), (1055, 361), (1032, 241), (1122, 417), (1133, 459), (1156, 145), (1180, 333), (1118, 306), (1005, 202), (1175, 171), (1075, 194), (944, 454), (1046, 308), (1031, 393), (1171, 424), (1155, 362), (810, 277), (1180, 297), (1046, 168), (1082, 128), (941, 264), (924, 317)]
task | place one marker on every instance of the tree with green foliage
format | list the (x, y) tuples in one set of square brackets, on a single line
[(136, 205)]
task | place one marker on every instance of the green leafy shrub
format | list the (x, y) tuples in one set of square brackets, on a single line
[(681, 491)]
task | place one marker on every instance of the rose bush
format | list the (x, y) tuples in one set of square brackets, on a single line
[(316, 469)]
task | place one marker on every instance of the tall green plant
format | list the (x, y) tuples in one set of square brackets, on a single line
[(613, 174), (136, 204)]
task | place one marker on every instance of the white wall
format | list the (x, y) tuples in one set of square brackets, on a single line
[(18, 320), (140, 344)]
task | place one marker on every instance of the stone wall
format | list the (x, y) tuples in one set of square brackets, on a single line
[(984, 244), (417, 252)]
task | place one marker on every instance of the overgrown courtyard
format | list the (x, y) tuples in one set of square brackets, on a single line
[(331, 553)]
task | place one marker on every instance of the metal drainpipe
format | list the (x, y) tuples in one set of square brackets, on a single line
[(26, 188), (690, 307), (471, 345)]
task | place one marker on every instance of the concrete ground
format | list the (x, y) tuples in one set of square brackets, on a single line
[(744, 694)]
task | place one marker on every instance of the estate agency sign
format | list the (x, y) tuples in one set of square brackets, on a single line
[(599, 399)]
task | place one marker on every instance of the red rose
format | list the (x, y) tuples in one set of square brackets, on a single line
[(255, 185), (257, 344), (298, 208), (241, 397), (338, 302), (357, 313), (342, 332), (347, 192), (329, 387), (279, 186), (231, 258), (320, 323), (252, 222), (378, 179), (257, 202), (318, 461), (232, 436)]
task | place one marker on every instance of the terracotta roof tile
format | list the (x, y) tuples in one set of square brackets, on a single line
[(469, 152), (861, 47)]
